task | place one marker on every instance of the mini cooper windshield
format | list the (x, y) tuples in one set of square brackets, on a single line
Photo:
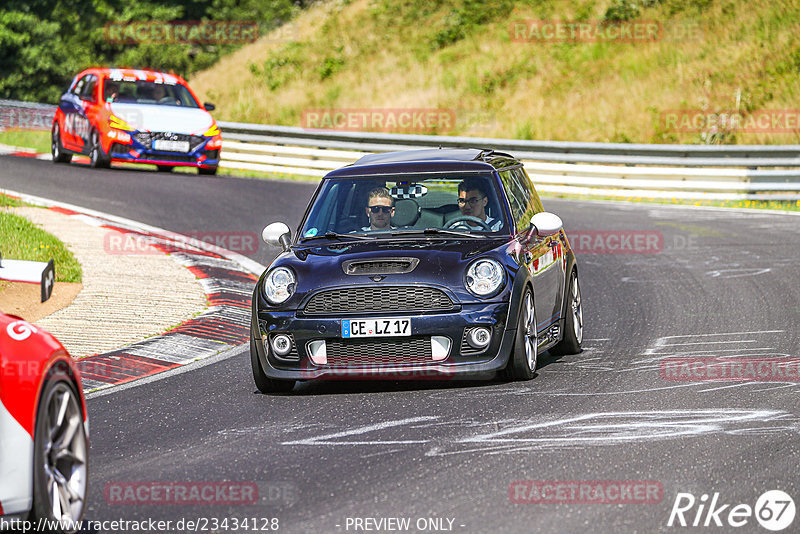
[(461, 203)]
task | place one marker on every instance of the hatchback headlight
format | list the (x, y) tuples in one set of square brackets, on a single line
[(279, 285), (484, 277)]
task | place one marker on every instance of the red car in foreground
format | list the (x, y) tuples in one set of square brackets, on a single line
[(138, 116), (44, 431)]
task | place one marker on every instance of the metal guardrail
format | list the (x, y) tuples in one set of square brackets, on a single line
[(719, 172), (560, 151), (607, 169)]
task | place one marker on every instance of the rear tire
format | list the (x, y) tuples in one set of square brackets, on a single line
[(264, 383), (97, 158), (165, 168), (524, 356), (573, 323), (56, 148), (60, 456), (208, 171)]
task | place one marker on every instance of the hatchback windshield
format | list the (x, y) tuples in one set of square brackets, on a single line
[(392, 204), (146, 92)]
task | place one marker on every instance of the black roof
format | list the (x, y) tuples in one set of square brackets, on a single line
[(446, 154), (431, 160)]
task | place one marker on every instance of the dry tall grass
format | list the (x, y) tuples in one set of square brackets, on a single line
[(378, 54)]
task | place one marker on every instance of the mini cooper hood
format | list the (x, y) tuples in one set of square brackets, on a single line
[(160, 118), (439, 261)]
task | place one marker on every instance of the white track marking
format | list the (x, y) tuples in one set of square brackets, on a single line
[(325, 438)]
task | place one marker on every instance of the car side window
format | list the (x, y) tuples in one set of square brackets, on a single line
[(77, 90), (87, 93), (520, 197), (537, 202)]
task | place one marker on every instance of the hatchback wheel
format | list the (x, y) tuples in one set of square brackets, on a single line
[(264, 383), (56, 149), (573, 323), (524, 355), (97, 158)]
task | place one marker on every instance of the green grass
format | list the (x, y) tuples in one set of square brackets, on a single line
[(6, 201), (36, 139), (20, 239)]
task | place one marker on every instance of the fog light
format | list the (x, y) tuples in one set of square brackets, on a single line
[(479, 338), (281, 345)]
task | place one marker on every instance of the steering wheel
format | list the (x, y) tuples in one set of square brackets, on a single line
[(461, 221)]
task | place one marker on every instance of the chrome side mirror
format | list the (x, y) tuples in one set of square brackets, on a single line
[(278, 235)]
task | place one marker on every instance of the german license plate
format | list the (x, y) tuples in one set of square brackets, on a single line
[(390, 327), (171, 146)]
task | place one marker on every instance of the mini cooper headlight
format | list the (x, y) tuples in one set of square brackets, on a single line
[(279, 285), (484, 277)]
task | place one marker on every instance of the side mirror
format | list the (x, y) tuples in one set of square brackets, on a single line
[(209, 106), (277, 234), (546, 224)]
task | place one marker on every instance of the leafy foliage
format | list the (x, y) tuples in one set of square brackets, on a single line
[(44, 43)]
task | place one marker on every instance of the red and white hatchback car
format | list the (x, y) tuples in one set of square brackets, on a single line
[(44, 431)]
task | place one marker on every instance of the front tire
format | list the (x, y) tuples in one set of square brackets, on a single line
[(60, 462), (573, 324), (56, 149), (97, 158), (264, 383), (524, 355)]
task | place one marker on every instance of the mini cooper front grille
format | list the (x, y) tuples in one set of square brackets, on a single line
[(378, 299), (379, 353), (380, 266)]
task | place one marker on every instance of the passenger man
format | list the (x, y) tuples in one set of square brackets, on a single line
[(473, 196)]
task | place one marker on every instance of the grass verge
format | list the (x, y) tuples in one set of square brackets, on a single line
[(20, 239), (38, 140)]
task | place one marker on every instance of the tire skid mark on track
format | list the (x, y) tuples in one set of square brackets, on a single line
[(574, 431), (227, 283)]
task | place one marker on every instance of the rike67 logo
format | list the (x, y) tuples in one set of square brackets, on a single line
[(774, 510)]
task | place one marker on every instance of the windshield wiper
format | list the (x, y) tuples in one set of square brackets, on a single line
[(438, 231), (334, 235)]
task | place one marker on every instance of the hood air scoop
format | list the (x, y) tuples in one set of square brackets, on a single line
[(379, 266)]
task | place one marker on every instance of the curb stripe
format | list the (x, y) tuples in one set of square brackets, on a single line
[(227, 279)]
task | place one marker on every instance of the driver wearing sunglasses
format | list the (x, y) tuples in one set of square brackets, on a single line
[(380, 209), (473, 196)]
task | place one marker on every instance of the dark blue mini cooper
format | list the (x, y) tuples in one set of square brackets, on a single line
[(418, 264)]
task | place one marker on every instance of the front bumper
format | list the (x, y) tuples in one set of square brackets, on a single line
[(394, 357), (139, 153)]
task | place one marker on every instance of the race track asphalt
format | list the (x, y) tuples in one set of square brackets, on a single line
[(722, 283)]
